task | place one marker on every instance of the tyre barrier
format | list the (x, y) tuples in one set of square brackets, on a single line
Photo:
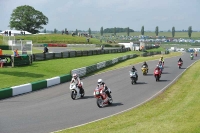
[(88, 69)]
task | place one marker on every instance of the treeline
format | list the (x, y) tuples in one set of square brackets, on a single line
[(117, 30)]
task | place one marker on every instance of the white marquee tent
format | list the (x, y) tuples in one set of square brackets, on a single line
[(15, 32)]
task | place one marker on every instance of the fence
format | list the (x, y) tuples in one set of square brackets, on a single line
[(68, 54)]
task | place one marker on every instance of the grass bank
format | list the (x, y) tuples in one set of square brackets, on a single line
[(46, 69), (56, 38), (174, 111)]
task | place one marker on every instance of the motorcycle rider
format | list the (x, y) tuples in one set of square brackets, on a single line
[(157, 68), (101, 83), (180, 60), (191, 54), (135, 70), (77, 81), (162, 59), (145, 64)]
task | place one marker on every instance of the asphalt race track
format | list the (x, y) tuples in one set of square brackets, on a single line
[(53, 109)]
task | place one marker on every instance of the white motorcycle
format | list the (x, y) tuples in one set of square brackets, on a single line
[(133, 77), (75, 91)]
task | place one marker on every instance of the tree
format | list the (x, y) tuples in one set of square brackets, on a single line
[(128, 31), (45, 31), (26, 18), (114, 31), (157, 30), (101, 31), (190, 31), (55, 31), (173, 31), (89, 31), (142, 30), (76, 32)]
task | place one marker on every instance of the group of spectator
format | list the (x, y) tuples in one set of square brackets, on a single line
[(22, 32), (7, 33), (66, 32)]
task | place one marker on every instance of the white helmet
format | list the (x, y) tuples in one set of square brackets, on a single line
[(100, 81), (75, 75)]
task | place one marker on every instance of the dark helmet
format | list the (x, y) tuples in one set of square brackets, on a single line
[(133, 67), (145, 62)]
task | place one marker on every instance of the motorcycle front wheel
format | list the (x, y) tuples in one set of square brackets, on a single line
[(100, 102), (157, 78), (110, 101), (83, 93), (73, 95)]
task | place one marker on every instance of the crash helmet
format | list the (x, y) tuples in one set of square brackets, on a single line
[(75, 75), (145, 62), (99, 81), (133, 67)]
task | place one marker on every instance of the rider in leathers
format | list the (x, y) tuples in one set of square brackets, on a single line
[(134, 70), (77, 81), (162, 59), (180, 60), (145, 64), (101, 83)]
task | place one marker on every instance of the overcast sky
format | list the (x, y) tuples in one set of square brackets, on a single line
[(85, 14)]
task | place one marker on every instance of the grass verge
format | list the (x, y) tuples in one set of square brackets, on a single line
[(46, 69), (174, 111)]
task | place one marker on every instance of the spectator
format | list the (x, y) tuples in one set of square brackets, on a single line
[(46, 50), (24, 33), (21, 32), (88, 40), (16, 53), (9, 33)]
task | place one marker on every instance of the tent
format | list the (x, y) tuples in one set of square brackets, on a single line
[(15, 32)]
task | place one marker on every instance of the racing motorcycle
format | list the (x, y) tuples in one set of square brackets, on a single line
[(157, 74), (180, 64), (133, 77), (195, 54), (75, 91), (102, 98), (191, 57), (144, 70)]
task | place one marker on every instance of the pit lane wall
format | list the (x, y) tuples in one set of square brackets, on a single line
[(34, 86)]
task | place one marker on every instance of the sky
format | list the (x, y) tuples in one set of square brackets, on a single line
[(94, 14)]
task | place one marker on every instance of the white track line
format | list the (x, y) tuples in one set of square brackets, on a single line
[(135, 105)]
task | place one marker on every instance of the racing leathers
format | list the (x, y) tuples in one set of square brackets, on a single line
[(102, 84), (77, 81)]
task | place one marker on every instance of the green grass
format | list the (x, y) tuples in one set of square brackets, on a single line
[(55, 38), (40, 70), (174, 111)]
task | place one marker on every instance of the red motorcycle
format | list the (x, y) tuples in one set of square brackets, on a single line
[(102, 97), (180, 64), (157, 74)]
